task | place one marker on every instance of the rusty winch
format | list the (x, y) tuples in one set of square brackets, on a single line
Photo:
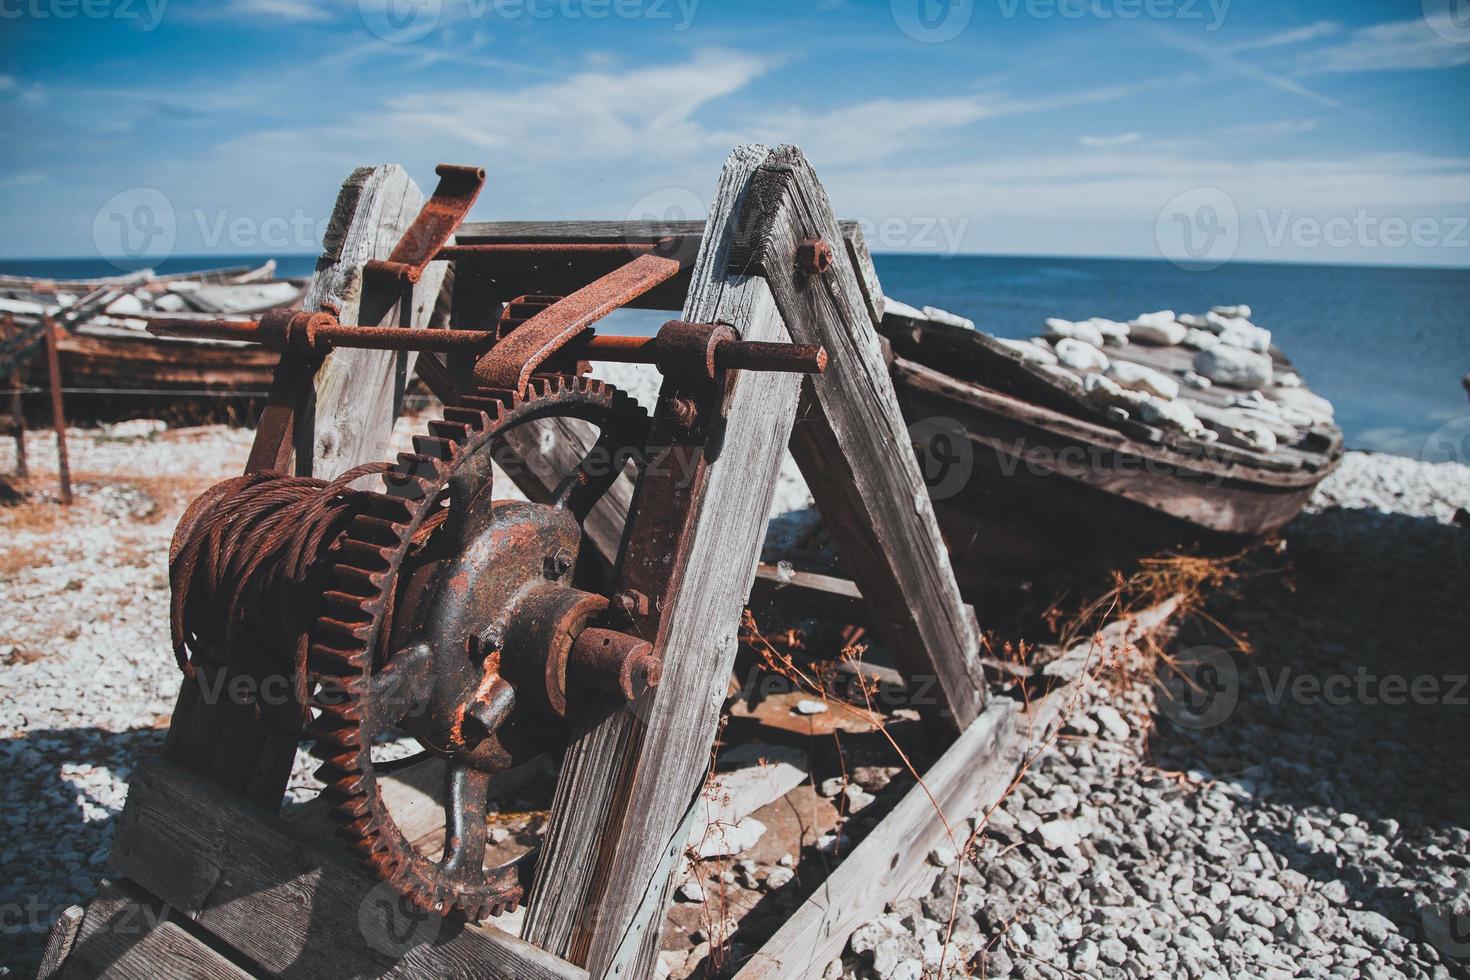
[(430, 608)]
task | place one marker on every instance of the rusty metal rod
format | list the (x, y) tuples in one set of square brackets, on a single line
[(450, 253), (746, 355), (58, 416)]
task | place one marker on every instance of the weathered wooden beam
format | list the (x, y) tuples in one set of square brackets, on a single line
[(560, 274), (852, 444), (125, 936), (333, 417), (59, 942), (972, 776), (629, 782), (294, 906)]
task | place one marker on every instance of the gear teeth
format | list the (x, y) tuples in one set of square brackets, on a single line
[(435, 447), (471, 418), (456, 432), (368, 561)]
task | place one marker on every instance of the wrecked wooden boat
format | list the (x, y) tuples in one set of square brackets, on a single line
[(1056, 460), (106, 352)]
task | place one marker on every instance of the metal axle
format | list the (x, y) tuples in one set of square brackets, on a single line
[(319, 333)]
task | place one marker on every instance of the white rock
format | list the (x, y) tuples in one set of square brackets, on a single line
[(1289, 379), (1062, 378), (1081, 356), (1194, 320), (942, 856), (1057, 834), (1171, 415), (806, 706), (1034, 353), (125, 304), (1057, 329), (1157, 328), (725, 839), (1108, 717), (1139, 378), (944, 316), (762, 775), (1197, 339), (1196, 380), (1233, 366), (1104, 391), (1240, 310), (779, 878), (1307, 401), (692, 891), (1247, 336), (1114, 334)]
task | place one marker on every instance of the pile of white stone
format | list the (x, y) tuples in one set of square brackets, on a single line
[(1265, 408)]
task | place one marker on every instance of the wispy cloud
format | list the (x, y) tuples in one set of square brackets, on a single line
[(1223, 60), (1101, 142), (1281, 127), (1413, 45), (1295, 35), (292, 11)]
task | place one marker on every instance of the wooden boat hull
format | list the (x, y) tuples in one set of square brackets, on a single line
[(1037, 490), (148, 363), (1041, 497)]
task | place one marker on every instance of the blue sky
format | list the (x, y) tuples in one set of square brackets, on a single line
[(1283, 131)]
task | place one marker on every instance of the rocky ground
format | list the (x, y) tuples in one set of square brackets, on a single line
[(1291, 835), (1300, 811)]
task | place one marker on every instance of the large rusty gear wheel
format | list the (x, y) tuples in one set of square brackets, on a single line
[(353, 655)]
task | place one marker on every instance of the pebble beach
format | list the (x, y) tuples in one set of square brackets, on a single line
[(1294, 836)]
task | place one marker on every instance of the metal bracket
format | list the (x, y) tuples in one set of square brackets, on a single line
[(431, 230)]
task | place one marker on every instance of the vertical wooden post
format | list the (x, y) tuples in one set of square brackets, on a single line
[(18, 424), (629, 782), (331, 416), (17, 405), (852, 444), (58, 414)]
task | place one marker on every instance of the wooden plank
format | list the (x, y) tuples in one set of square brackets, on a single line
[(295, 907), (561, 274), (629, 783), (972, 776), (123, 937), (853, 447), (59, 942), (344, 418)]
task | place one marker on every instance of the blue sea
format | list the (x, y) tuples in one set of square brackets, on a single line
[(1388, 346)]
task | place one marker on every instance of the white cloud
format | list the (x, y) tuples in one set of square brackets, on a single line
[(1406, 45), (293, 11), (1222, 59), (882, 127), (1100, 142), (1295, 35)]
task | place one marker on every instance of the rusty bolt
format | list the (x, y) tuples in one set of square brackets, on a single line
[(682, 411), (814, 256), (560, 563), (630, 603), (491, 638), (645, 673)]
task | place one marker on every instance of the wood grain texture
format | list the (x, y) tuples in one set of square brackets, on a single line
[(852, 445), (972, 776), (59, 942), (295, 907), (124, 937), (629, 782), (343, 418)]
